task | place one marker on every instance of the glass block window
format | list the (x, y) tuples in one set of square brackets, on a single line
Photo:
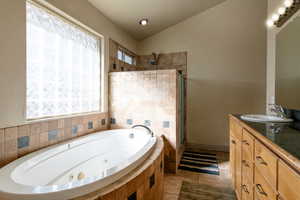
[(120, 55), (63, 66), (128, 59), (125, 57)]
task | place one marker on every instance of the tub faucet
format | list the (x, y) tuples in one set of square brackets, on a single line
[(146, 127)]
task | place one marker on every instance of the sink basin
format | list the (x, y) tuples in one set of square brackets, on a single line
[(265, 118)]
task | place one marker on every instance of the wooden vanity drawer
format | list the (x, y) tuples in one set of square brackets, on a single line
[(248, 144), (288, 182), (266, 163), (262, 188), (247, 189), (247, 170)]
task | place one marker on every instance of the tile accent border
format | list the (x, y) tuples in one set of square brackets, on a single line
[(52, 135), (74, 130), (18, 141), (23, 142), (112, 120), (147, 123), (166, 124), (129, 121), (90, 125)]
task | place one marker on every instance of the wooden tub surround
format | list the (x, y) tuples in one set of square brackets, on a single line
[(264, 162), (143, 183)]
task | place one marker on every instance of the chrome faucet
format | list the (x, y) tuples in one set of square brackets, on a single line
[(146, 127), (278, 110)]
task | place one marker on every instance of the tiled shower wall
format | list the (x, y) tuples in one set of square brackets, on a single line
[(21, 140), (116, 65), (148, 98), (176, 60)]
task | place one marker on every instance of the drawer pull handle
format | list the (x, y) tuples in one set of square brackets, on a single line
[(261, 160), (245, 142), (233, 142), (261, 190), (280, 197), (245, 189), (245, 163)]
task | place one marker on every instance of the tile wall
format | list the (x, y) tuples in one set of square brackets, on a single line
[(21, 140), (148, 98), (116, 65), (176, 60)]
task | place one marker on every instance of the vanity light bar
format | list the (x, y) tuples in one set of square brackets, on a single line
[(284, 13)]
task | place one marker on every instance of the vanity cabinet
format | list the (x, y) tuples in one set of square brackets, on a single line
[(263, 189), (236, 157), (266, 163), (247, 165), (288, 182), (258, 172)]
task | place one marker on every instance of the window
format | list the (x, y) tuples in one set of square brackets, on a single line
[(63, 66), (125, 57)]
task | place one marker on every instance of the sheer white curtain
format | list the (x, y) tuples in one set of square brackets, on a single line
[(63, 67)]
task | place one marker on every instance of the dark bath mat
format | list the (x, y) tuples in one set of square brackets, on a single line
[(199, 162), (194, 191)]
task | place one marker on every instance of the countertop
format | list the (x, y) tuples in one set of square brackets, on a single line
[(286, 136)]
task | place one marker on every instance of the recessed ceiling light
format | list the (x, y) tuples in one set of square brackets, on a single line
[(144, 22)]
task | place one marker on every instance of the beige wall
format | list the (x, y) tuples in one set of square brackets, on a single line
[(226, 48), (13, 46)]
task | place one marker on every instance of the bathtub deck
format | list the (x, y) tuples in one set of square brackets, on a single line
[(136, 181)]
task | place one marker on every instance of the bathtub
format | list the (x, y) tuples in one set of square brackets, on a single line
[(77, 167)]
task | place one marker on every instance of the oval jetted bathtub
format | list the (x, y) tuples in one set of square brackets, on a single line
[(76, 168)]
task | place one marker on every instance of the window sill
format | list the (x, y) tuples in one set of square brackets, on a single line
[(29, 121)]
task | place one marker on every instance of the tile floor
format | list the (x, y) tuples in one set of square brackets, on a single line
[(173, 182)]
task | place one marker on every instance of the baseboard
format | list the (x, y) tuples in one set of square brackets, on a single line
[(223, 148)]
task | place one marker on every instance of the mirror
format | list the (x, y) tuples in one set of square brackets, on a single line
[(288, 65)]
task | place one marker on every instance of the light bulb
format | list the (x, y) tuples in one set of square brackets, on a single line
[(281, 10), (288, 3), (275, 17), (144, 22), (270, 23)]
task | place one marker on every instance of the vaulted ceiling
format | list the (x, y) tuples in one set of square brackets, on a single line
[(161, 13)]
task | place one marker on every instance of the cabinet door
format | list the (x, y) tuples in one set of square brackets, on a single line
[(288, 183), (235, 165), (247, 193), (248, 146), (233, 160), (236, 156), (266, 163), (238, 168), (262, 188)]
